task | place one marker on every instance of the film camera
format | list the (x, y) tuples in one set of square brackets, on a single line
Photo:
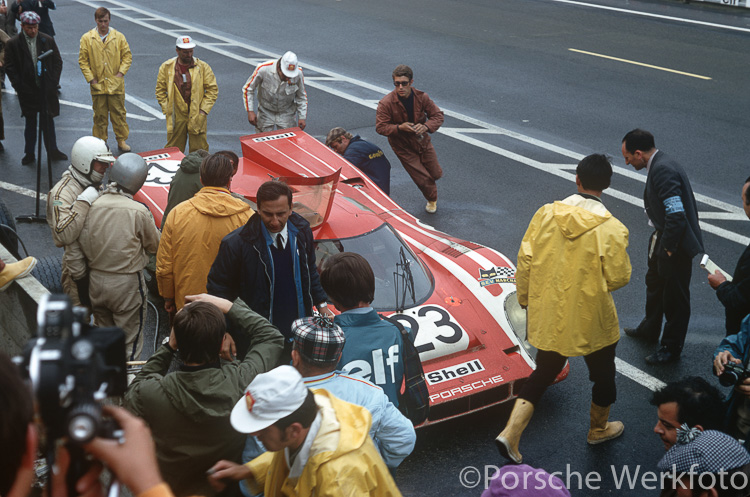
[(73, 368), (733, 374)]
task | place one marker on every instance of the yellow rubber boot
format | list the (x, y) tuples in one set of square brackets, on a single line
[(601, 429), (507, 441)]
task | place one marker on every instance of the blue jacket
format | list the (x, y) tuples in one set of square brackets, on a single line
[(244, 268), (370, 160), (391, 431), (372, 351), (738, 346)]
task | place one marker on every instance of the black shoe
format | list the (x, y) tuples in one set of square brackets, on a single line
[(57, 155), (641, 334), (28, 159), (662, 356)]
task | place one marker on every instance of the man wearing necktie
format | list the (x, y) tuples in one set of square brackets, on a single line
[(270, 264)]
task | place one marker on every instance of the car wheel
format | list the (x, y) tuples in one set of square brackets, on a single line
[(8, 236), (48, 271)]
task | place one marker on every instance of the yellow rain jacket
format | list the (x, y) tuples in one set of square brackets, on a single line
[(101, 61), (202, 97), (343, 459), (572, 256), (191, 239)]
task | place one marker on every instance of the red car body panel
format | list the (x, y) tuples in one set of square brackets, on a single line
[(471, 356)]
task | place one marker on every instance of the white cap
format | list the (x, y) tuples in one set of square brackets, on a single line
[(185, 42), (269, 397), (289, 65)]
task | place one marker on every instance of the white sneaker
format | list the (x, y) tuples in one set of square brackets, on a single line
[(431, 207)]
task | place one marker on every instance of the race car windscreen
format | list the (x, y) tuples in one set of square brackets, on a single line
[(401, 280)]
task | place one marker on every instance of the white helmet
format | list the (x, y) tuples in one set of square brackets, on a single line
[(86, 150), (129, 172)]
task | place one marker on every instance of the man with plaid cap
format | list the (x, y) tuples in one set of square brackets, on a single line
[(706, 463), (21, 57), (317, 444), (186, 90), (318, 344), (572, 257)]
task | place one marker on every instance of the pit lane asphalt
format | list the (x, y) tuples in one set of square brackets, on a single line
[(506, 64)]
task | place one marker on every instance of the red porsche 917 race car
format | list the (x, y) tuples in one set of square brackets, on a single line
[(457, 297)]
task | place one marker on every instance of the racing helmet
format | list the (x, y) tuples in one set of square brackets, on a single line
[(86, 150), (129, 172)]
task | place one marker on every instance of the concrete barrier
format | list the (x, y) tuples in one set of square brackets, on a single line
[(18, 305)]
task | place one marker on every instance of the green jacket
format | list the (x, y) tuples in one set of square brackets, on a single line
[(185, 183), (188, 411)]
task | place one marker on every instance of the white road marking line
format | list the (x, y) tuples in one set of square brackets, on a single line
[(642, 64), (655, 16), (723, 216), (21, 190), (88, 107), (144, 106), (638, 376)]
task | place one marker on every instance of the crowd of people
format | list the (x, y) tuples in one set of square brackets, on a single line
[(261, 393)]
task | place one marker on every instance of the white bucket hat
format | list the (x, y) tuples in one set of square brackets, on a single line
[(185, 42), (269, 397), (289, 65)]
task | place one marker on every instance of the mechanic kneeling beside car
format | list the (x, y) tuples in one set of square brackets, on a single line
[(731, 360)]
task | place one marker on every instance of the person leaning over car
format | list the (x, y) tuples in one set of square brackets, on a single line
[(369, 158)]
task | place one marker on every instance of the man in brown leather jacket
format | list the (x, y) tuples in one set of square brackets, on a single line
[(407, 116)]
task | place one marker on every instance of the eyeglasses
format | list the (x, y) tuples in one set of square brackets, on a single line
[(401, 83)]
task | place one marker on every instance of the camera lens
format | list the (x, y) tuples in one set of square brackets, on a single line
[(728, 378)]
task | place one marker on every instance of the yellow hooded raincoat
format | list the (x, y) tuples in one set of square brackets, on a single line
[(572, 256), (191, 239), (343, 459)]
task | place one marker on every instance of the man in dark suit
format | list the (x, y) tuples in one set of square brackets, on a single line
[(20, 66), (672, 211)]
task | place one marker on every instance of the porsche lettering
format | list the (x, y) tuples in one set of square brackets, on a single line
[(447, 394)]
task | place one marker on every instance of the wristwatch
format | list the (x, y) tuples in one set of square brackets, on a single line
[(165, 342)]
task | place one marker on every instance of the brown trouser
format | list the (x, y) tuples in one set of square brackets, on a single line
[(112, 107), (121, 300), (423, 167)]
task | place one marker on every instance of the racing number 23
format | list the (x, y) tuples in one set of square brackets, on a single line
[(447, 330)]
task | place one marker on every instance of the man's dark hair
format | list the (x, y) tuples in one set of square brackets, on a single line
[(232, 157), (744, 198), (16, 413), (403, 70), (216, 170), (595, 172), (102, 12), (348, 279), (199, 329), (304, 415), (639, 139), (272, 190), (698, 402)]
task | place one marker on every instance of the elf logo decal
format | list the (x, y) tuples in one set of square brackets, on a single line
[(434, 331), (453, 372), (447, 394), (496, 275)]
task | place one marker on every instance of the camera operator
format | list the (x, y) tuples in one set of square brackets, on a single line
[(131, 459), (731, 359)]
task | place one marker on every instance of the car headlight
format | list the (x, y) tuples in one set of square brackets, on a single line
[(517, 318)]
